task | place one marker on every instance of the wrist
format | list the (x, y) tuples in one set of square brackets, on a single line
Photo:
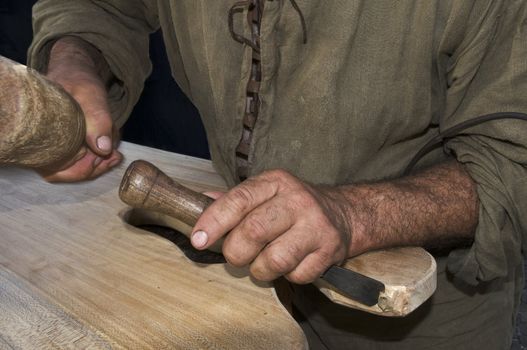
[(361, 215), (340, 206)]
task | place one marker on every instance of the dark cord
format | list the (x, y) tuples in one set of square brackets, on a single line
[(456, 129), (302, 20)]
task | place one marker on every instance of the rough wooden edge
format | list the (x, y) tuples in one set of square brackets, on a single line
[(285, 311), (396, 300)]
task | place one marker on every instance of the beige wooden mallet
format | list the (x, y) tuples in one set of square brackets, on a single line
[(41, 126)]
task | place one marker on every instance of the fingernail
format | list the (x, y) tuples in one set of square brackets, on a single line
[(199, 239), (97, 161), (104, 143)]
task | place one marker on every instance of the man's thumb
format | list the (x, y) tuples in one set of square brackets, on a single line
[(99, 132)]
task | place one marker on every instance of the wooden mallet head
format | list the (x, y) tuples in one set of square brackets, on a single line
[(41, 126)]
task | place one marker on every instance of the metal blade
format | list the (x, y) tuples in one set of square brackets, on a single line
[(354, 285)]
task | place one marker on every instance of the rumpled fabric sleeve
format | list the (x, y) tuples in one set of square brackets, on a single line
[(488, 74), (119, 29)]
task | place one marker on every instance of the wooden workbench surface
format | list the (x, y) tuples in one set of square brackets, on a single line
[(75, 274)]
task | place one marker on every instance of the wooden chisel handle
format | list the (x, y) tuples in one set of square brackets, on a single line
[(145, 186), (41, 126)]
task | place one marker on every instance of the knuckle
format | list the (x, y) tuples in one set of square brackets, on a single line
[(281, 175), (326, 258), (218, 219), (254, 229), (306, 199), (260, 273), (294, 250), (301, 201), (240, 198), (279, 263), (235, 258), (274, 173), (300, 277), (272, 212)]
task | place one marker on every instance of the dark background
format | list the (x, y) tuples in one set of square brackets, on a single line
[(163, 118)]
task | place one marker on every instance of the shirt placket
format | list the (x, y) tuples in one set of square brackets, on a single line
[(252, 98), (255, 9)]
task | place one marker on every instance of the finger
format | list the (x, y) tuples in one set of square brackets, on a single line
[(99, 127), (227, 211), (260, 227), (80, 154), (283, 255), (214, 194), (81, 170), (107, 164), (92, 98), (310, 268)]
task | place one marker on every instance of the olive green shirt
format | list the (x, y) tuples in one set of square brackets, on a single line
[(375, 81)]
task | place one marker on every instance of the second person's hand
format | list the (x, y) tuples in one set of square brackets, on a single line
[(72, 67)]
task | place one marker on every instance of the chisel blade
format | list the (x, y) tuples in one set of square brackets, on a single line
[(354, 285)]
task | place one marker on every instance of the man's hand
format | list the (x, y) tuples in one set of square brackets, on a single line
[(279, 226), (72, 66)]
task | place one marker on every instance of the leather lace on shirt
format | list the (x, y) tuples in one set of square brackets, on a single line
[(254, 19)]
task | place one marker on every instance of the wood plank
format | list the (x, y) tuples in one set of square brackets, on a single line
[(74, 254), (37, 324)]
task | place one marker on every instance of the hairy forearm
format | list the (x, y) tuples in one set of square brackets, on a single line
[(437, 208)]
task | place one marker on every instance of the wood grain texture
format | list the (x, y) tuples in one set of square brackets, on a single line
[(75, 274), (41, 126), (35, 323)]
